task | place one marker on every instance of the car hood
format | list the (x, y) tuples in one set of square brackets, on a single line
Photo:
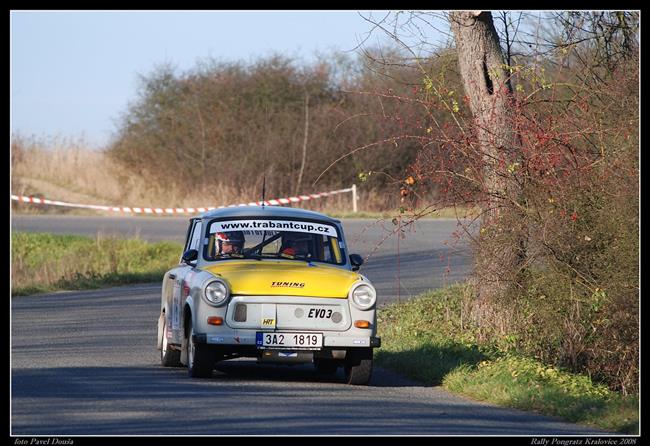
[(284, 278)]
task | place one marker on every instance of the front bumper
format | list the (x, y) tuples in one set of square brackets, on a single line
[(247, 340)]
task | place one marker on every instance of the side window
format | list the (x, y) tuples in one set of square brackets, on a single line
[(195, 241), (193, 235)]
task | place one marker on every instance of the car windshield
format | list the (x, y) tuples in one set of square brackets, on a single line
[(273, 239)]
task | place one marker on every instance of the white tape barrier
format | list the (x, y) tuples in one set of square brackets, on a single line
[(168, 211)]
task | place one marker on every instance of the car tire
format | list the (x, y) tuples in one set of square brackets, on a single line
[(326, 366), (358, 366), (168, 357), (200, 360)]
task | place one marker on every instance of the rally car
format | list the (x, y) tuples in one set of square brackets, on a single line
[(272, 283)]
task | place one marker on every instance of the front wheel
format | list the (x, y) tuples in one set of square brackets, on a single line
[(358, 366), (200, 360)]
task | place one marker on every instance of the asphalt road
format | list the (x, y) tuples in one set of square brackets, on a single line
[(427, 257), (85, 363)]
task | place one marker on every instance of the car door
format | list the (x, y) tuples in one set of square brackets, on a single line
[(176, 283)]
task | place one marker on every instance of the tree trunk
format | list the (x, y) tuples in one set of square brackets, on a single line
[(486, 82)]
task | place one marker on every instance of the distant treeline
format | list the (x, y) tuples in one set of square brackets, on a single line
[(229, 124)]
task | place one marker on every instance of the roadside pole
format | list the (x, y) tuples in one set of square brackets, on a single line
[(354, 198)]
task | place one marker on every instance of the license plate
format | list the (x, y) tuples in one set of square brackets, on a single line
[(308, 341)]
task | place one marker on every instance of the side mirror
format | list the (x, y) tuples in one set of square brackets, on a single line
[(190, 255), (356, 260)]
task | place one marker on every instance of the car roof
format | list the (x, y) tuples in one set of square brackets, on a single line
[(266, 212)]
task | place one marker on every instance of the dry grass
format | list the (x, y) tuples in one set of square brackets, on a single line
[(63, 165), (69, 170)]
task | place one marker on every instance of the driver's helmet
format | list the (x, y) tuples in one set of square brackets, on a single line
[(234, 238), (295, 243)]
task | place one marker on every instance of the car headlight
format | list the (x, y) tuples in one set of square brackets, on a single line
[(363, 296), (216, 292)]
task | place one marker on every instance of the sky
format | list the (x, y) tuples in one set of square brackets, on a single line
[(73, 73)]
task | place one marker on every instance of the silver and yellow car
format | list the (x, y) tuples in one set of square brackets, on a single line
[(272, 283)]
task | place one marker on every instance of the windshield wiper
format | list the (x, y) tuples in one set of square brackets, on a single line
[(250, 255)]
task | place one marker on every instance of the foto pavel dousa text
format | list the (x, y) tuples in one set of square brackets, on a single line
[(51, 441)]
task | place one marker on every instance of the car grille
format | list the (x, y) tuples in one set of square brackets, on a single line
[(288, 313), (240, 313)]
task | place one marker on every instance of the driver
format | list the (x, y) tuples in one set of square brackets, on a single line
[(230, 242), (295, 244)]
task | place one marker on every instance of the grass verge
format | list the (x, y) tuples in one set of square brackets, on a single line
[(42, 262), (430, 339)]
